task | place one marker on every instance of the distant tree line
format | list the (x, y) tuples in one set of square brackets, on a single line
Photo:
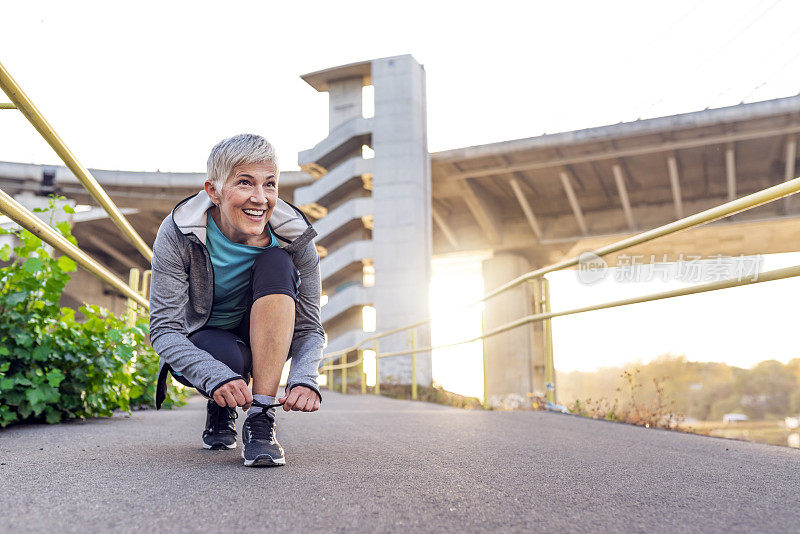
[(700, 390)]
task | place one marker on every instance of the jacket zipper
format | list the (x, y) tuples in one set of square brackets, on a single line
[(208, 255), (208, 263)]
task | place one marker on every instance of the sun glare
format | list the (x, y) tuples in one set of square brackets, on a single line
[(455, 283), (369, 366)]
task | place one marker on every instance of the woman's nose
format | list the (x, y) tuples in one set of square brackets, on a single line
[(259, 197)]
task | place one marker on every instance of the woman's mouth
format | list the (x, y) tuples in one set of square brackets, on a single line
[(256, 215)]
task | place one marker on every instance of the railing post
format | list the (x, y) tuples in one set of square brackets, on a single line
[(144, 291), (330, 376), (344, 373), (414, 364), (133, 306), (377, 370), (363, 373), (549, 367)]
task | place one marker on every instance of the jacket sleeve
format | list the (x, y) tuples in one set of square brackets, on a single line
[(169, 296), (309, 337)]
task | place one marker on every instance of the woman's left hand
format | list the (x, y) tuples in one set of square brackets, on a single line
[(301, 399)]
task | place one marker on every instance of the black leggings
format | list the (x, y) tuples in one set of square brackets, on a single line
[(273, 273)]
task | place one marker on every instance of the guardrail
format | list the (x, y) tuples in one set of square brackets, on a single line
[(21, 215), (20, 101), (753, 200)]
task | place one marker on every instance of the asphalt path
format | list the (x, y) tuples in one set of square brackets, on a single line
[(370, 464)]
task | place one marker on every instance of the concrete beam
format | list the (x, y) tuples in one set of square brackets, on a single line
[(526, 207), (444, 227), (789, 171), (338, 138), (698, 119), (345, 299), (333, 180), (730, 170), (573, 201), (486, 217), (116, 178), (341, 258), (674, 181), (623, 195), (355, 208), (622, 153)]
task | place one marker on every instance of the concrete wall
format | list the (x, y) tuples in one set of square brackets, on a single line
[(344, 102), (402, 201)]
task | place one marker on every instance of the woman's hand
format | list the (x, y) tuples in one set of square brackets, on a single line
[(234, 393), (301, 399)]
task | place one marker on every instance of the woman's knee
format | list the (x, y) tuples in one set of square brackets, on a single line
[(273, 273), (226, 347)]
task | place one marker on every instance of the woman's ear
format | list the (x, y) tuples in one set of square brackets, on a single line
[(212, 192)]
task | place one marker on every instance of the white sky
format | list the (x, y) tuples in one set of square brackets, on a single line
[(153, 85), (739, 326)]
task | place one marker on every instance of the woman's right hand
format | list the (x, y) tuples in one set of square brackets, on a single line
[(234, 393)]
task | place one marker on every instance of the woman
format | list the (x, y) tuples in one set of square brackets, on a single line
[(235, 292)]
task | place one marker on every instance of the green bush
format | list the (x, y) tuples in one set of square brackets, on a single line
[(54, 367)]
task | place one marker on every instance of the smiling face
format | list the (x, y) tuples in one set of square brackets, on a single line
[(245, 203)]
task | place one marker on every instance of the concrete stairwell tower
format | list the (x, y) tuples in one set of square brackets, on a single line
[(372, 197)]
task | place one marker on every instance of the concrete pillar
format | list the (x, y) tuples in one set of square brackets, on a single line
[(344, 102), (402, 202), (515, 359)]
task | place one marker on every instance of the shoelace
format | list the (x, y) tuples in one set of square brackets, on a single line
[(220, 419), (221, 416), (266, 406), (262, 424)]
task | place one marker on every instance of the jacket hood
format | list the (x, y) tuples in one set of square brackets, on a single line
[(288, 223)]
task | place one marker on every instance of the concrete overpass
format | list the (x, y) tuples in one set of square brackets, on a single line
[(547, 195), (532, 202)]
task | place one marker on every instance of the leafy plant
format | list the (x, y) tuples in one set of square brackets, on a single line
[(53, 366)]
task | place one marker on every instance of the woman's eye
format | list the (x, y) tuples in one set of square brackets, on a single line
[(244, 182)]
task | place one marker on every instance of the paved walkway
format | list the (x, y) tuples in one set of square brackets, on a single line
[(376, 464)]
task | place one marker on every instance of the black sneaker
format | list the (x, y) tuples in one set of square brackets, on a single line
[(260, 446), (220, 432)]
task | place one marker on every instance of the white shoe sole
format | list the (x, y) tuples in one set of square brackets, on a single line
[(262, 460), (221, 447)]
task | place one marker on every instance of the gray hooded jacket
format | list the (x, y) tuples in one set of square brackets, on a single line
[(182, 295)]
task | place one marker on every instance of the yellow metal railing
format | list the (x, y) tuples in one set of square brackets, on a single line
[(25, 218), (724, 210), (20, 101)]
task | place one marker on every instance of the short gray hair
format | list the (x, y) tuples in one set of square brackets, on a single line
[(241, 149)]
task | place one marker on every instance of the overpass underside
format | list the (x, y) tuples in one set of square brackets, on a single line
[(529, 203)]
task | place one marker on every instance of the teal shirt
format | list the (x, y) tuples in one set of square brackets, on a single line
[(231, 262)]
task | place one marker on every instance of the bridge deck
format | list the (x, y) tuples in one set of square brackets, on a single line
[(376, 464)]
